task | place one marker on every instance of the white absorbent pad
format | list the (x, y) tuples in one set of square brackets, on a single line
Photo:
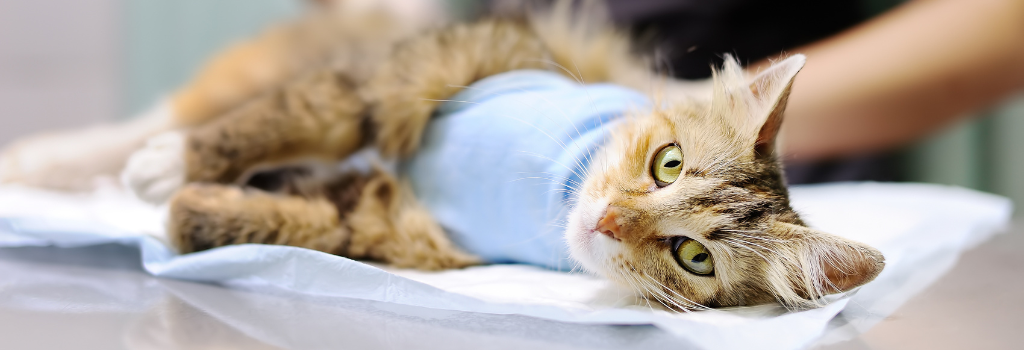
[(921, 229)]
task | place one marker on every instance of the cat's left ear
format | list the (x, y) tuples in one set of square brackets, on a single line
[(771, 89), (830, 263)]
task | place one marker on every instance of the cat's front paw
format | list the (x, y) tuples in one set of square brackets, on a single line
[(155, 172)]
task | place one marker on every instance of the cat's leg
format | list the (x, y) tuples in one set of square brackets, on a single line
[(322, 116), (426, 70), (205, 216), (389, 225), (357, 216), (363, 30), (76, 160), (317, 116)]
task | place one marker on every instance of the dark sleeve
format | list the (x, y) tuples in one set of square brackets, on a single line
[(691, 35)]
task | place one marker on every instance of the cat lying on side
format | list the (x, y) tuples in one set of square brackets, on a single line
[(509, 153)]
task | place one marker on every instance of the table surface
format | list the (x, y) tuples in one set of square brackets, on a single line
[(100, 298), (976, 305)]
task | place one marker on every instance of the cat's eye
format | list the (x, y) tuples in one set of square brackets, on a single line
[(694, 257), (668, 163)]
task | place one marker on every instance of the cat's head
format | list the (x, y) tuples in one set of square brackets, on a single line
[(687, 205)]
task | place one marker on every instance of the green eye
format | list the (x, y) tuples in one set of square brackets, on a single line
[(668, 163), (694, 257)]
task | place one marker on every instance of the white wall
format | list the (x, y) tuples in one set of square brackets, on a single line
[(58, 64)]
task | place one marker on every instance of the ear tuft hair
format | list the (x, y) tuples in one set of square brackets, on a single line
[(755, 106), (771, 91)]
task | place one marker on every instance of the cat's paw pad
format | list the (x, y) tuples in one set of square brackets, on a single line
[(157, 171)]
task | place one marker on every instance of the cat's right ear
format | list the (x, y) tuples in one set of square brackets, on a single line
[(771, 89)]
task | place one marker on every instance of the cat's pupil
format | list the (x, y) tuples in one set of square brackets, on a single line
[(699, 257), (672, 164)]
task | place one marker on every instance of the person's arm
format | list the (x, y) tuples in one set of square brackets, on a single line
[(903, 75)]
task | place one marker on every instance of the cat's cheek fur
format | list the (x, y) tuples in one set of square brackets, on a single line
[(155, 172)]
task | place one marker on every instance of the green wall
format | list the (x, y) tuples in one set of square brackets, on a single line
[(165, 41), (985, 153)]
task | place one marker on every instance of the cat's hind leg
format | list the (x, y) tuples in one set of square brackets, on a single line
[(389, 225), (206, 216), (364, 216), (77, 160)]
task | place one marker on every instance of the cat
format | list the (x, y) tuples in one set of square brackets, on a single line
[(680, 198)]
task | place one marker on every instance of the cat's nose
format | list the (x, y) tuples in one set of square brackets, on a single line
[(608, 225)]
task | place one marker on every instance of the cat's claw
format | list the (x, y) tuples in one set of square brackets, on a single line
[(155, 172)]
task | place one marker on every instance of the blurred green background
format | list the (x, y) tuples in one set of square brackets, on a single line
[(166, 41)]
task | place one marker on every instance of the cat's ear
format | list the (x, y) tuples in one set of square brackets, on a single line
[(830, 264), (771, 89)]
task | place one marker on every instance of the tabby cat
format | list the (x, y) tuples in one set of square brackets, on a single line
[(679, 195)]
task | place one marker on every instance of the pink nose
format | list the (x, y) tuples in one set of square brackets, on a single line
[(608, 225)]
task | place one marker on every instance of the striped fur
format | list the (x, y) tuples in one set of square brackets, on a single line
[(731, 197)]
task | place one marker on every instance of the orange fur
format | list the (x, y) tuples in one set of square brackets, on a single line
[(248, 68), (319, 115)]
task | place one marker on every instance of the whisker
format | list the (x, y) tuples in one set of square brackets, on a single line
[(748, 248), (551, 182), (784, 257), (766, 239), (458, 101), (677, 293), (560, 143), (559, 66), (657, 293), (632, 286), (565, 116), (556, 177), (637, 286), (555, 161), (661, 293)]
